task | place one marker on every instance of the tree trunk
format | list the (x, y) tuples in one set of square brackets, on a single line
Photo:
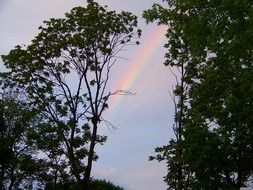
[(72, 160), (86, 185), (91, 154)]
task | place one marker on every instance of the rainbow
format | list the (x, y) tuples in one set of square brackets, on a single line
[(136, 66)]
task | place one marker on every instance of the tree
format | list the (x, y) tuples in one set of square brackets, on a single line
[(82, 47), (18, 163), (218, 123), (96, 184), (104, 185), (179, 175)]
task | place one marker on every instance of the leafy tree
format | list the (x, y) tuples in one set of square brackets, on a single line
[(104, 185), (179, 175), (96, 184), (65, 72), (18, 164), (216, 38)]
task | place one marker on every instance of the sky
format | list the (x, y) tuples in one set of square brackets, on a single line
[(142, 121)]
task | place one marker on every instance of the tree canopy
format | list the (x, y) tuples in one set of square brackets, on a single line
[(213, 39), (19, 164), (64, 72)]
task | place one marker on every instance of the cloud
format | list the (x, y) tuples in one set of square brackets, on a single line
[(137, 176), (144, 176), (105, 172)]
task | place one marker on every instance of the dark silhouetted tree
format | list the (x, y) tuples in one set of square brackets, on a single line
[(96, 184), (65, 72), (216, 39), (178, 57), (19, 166)]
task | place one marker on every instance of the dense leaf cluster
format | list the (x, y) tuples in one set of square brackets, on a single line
[(19, 165), (212, 41), (63, 73), (95, 185)]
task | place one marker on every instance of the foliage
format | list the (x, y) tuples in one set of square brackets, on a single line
[(104, 185), (96, 184), (178, 57), (18, 164), (81, 47), (214, 40)]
